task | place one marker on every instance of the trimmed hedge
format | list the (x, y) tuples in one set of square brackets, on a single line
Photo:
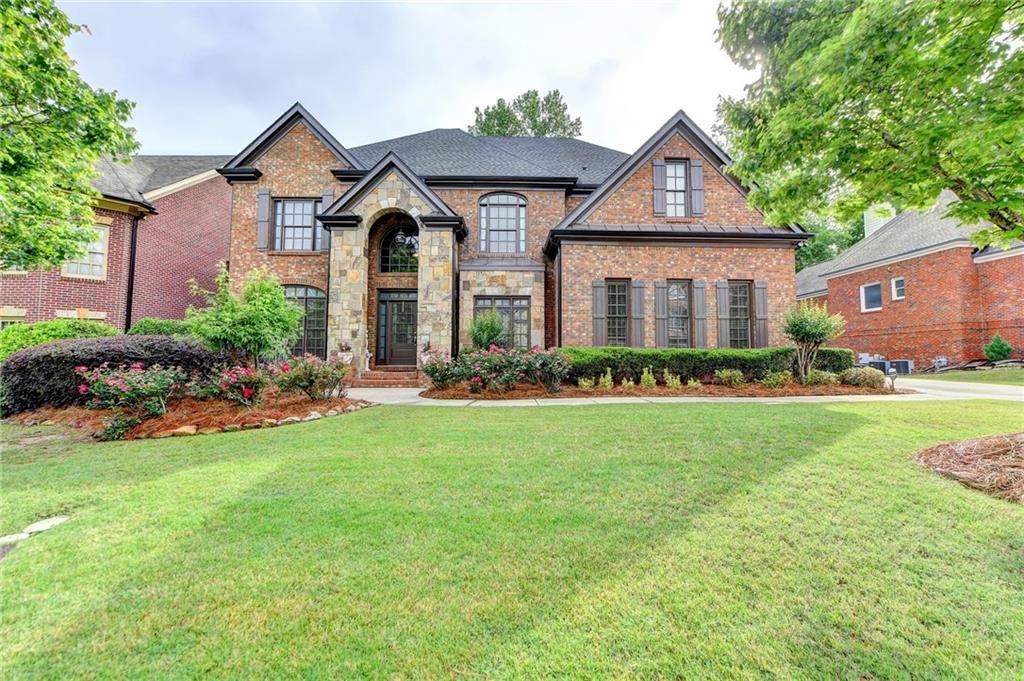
[(20, 336), (152, 326), (699, 363), (45, 374)]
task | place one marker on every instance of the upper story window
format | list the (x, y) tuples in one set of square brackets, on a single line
[(675, 189), (503, 223), (295, 225), (93, 265), (899, 291), (400, 249), (871, 297)]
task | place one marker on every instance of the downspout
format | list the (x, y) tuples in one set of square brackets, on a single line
[(456, 294), (558, 294), (132, 252)]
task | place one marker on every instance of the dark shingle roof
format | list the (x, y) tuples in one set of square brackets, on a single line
[(454, 152), (130, 181), (809, 281)]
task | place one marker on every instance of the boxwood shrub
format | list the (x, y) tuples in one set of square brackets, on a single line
[(45, 374), (699, 363), (20, 336), (152, 326)]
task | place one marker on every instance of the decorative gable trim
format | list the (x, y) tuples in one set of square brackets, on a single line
[(375, 175), (679, 123), (289, 119)]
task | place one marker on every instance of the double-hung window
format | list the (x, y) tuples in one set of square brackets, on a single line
[(899, 291), (679, 314), (617, 311), (502, 223), (740, 303), (295, 225), (93, 265), (514, 311), (675, 188)]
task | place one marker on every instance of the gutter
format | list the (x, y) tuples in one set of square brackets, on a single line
[(132, 253)]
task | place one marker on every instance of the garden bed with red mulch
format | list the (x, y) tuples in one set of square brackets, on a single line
[(992, 464), (190, 411), (529, 391)]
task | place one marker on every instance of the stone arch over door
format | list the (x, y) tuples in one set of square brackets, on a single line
[(382, 278)]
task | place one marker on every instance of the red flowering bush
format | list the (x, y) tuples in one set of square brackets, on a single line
[(134, 389), (499, 369), (244, 385), (319, 379)]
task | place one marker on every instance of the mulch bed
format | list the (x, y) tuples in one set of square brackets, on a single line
[(529, 391), (192, 412), (992, 464)]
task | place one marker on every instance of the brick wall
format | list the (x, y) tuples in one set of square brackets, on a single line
[(42, 293), (634, 200), (941, 315), (1002, 299), (186, 239), (583, 263), (297, 166)]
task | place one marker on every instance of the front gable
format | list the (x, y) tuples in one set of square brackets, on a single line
[(389, 184)]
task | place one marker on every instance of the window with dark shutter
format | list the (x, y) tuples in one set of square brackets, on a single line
[(295, 225), (617, 312), (739, 314), (679, 314), (675, 189)]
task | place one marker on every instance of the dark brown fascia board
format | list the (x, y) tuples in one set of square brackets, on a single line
[(348, 174), (340, 221), (134, 207), (499, 181), (557, 236), (391, 159), (581, 190), (454, 223), (283, 124), (240, 174)]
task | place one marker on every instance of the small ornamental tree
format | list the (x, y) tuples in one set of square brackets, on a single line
[(810, 326), (998, 349), (487, 330), (261, 323)]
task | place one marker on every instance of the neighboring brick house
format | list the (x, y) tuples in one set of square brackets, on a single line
[(916, 289), (161, 220), (395, 246)]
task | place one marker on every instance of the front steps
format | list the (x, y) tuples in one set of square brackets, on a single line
[(389, 377)]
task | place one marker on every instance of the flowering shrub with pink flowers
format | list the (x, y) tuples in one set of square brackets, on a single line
[(136, 390), (499, 369), (319, 379), (241, 384)]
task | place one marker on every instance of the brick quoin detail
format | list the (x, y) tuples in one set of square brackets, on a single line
[(185, 240)]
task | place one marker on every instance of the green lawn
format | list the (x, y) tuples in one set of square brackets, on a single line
[(669, 541), (1001, 376)]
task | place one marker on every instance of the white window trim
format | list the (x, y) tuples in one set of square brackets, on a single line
[(104, 232), (863, 305), (892, 284)]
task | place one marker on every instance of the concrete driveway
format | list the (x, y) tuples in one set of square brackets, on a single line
[(956, 389)]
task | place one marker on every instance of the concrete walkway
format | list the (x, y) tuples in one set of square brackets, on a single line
[(928, 390)]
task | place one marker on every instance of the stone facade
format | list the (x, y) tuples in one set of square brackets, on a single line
[(435, 321), (503, 283)]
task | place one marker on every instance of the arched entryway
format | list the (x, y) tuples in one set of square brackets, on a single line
[(313, 302), (393, 281)]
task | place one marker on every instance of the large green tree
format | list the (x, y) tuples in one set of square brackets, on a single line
[(529, 115), (53, 129), (830, 239), (868, 101)]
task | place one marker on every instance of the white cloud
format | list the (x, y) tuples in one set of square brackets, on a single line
[(208, 78)]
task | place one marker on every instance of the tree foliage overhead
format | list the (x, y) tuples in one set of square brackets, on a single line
[(529, 115), (830, 239), (869, 101), (53, 129)]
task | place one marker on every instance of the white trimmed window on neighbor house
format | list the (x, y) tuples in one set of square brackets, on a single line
[(899, 291), (871, 297)]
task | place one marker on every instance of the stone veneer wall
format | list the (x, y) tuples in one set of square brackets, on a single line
[(502, 283), (434, 313)]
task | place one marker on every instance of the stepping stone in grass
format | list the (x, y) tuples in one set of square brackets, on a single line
[(12, 538), (47, 524)]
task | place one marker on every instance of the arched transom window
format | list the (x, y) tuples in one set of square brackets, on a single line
[(502, 223), (400, 249), (314, 324)]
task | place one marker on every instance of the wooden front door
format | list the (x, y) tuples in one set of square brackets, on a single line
[(396, 328)]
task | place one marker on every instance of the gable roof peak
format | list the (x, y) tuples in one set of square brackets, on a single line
[(375, 174), (295, 114)]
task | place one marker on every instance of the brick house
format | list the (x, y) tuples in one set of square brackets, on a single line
[(395, 246), (916, 289), (160, 221)]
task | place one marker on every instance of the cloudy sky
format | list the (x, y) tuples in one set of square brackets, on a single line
[(208, 77)]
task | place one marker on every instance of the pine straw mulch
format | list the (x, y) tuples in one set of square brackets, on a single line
[(528, 391), (993, 464), (191, 412)]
